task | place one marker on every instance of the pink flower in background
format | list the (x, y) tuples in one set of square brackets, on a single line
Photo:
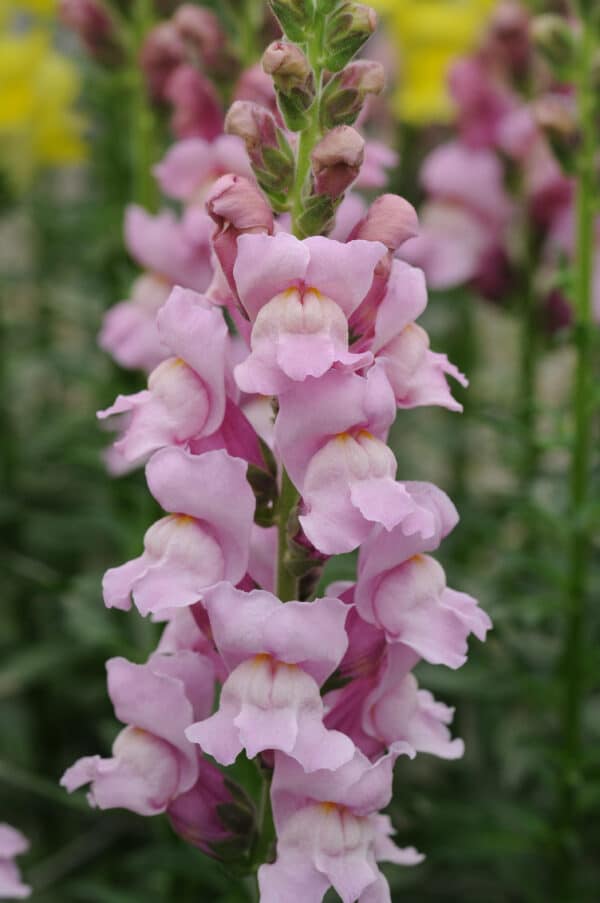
[(329, 832), (129, 331), (465, 217), (152, 761), (12, 844), (278, 657), (176, 250), (191, 166), (203, 541)]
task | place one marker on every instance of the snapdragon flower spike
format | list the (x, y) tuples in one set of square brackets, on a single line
[(278, 656), (12, 844), (185, 398), (203, 541), (329, 832), (298, 302), (152, 762)]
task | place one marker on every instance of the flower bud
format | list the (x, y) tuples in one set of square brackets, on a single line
[(346, 92), (293, 79), (346, 32), (555, 40), (287, 65), (390, 220), (237, 206), (197, 112), (162, 52), (336, 161), (216, 815), (293, 16), (269, 152), (201, 32), (92, 23)]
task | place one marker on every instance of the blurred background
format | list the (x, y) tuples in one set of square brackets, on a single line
[(77, 137)]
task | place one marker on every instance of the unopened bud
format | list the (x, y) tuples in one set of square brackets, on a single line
[(237, 206), (293, 16), (287, 66), (197, 109), (336, 161), (346, 32), (92, 23), (293, 79), (162, 52), (390, 219), (216, 816), (555, 40), (254, 125), (201, 31), (346, 92), (270, 154)]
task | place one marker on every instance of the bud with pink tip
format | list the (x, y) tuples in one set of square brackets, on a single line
[(390, 219), (347, 30), (270, 154), (238, 207), (293, 79), (346, 92), (336, 161)]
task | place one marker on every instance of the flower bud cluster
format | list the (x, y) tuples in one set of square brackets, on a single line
[(277, 366)]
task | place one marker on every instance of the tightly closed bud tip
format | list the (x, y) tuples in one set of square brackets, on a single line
[(336, 160)]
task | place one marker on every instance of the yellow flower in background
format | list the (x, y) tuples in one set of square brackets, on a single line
[(38, 90), (429, 35)]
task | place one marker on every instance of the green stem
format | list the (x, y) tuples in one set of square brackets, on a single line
[(579, 545), (312, 133), (287, 584), (526, 403)]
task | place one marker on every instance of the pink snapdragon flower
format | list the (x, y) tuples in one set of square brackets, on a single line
[(298, 303), (203, 541), (190, 167), (185, 398), (396, 710), (152, 762), (417, 375), (278, 656), (403, 591), (12, 844), (329, 832), (331, 434)]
